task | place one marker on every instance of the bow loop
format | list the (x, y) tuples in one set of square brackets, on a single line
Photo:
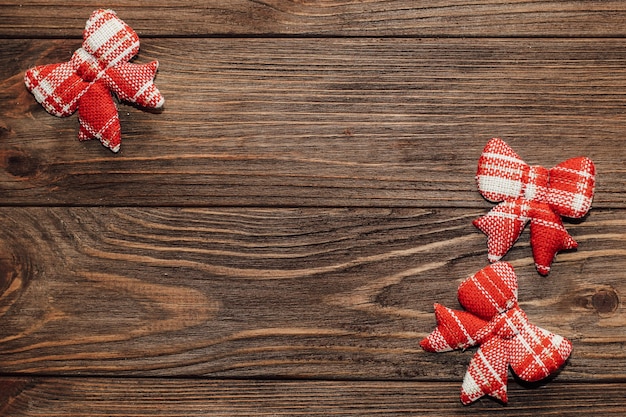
[(495, 321), (109, 39), (133, 83), (489, 292), (56, 87), (572, 185), (531, 193), (455, 330), (86, 81), (501, 172)]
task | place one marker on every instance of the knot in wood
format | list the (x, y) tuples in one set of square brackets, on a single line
[(605, 301), (20, 164), (6, 275)]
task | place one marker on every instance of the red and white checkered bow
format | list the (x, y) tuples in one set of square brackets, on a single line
[(531, 193), (495, 321), (98, 67)]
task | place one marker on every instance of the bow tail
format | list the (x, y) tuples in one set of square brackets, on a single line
[(486, 373), (503, 226), (98, 117), (455, 330), (536, 353), (547, 236), (134, 83)]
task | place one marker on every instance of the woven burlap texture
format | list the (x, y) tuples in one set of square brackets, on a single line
[(532, 193), (494, 321)]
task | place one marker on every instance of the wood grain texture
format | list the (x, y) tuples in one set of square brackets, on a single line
[(184, 18), (272, 242), (289, 293), (321, 122), (157, 397)]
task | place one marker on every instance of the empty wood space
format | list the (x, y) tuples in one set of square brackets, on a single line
[(272, 241)]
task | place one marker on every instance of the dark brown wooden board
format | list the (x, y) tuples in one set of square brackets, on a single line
[(185, 18), (296, 293), (272, 241), (161, 397), (321, 122)]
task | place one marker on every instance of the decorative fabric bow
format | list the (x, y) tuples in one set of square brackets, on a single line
[(495, 321), (99, 66), (531, 193)]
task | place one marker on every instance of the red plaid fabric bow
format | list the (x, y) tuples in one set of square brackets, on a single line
[(495, 321), (531, 193), (99, 66)]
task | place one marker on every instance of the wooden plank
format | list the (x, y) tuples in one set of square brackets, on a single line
[(493, 18), (321, 122), (149, 397), (265, 293)]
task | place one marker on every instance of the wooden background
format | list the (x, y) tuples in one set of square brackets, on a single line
[(272, 242)]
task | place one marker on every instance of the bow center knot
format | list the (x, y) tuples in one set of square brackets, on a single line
[(87, 66), (509, 324), (535, 183)]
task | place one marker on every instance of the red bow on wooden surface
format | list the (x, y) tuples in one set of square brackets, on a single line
[(532, 193), (98, 67), (495, 321)]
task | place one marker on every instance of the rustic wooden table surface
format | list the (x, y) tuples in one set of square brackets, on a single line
[(272, 242)]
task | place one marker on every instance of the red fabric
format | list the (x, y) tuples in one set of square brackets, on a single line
[(86, 81), (494, 320), (531, 193)]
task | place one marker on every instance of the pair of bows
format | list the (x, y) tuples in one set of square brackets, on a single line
[(494, 320), (532, 193), (97, 68)]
